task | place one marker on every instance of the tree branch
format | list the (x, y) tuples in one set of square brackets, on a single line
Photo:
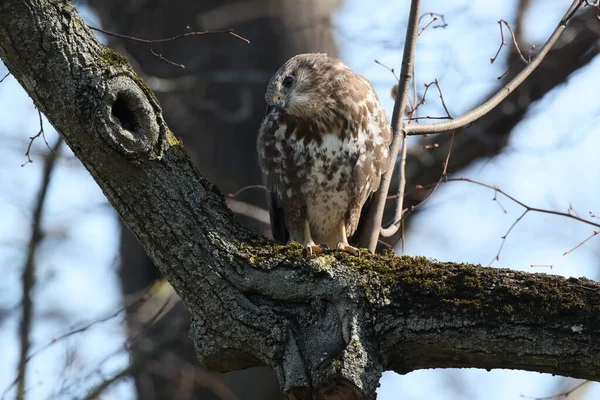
[(28, 275), (475, 114), (370, 235), (326, 324)]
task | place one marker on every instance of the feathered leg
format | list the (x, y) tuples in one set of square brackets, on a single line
[(310, 248), (343, 244)]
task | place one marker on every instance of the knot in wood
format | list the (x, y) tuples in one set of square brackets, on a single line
[(135, 123)]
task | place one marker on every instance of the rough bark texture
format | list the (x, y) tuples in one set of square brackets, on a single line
[(326, 325), (217, 100)]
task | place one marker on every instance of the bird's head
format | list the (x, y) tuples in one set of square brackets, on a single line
[(303, 85)]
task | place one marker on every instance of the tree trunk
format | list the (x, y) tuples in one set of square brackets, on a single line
[(215, 105)]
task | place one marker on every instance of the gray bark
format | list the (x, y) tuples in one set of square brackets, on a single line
[(217, 100), (326, 325)]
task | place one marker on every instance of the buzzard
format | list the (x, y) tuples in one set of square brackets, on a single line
[(322, 148)]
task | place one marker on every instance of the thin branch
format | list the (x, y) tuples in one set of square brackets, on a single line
[(527, 210), (503, 42), (497, 256), (566, 253), (236, 194), (389, 69), (134, 366), (535, 209), (28, 277), (424, 100), (427, 26), (375, 211), (32, 139), (144, 297), (434, 17), (4, 77), (427, 117), (437, 85), (514, 39), (443, 177), (478, 112), (395, 226), (151, 42)]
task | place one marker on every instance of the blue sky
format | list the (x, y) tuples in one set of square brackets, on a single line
[(551, 161)]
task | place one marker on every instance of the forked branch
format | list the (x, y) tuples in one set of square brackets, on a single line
[(400, 131), (478, 112)]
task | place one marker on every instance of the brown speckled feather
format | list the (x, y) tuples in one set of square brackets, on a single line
[(322, 149)]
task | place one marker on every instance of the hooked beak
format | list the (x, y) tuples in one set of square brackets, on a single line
[(279, 102)]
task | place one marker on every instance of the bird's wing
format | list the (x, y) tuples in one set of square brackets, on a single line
[(373, 129), (278, 228)]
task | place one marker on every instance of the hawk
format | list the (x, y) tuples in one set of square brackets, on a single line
[(322, 148)]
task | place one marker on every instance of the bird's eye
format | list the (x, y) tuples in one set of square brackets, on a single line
[(287, 82)]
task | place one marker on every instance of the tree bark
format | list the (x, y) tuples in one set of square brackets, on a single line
[(217, 100), (327, 325)]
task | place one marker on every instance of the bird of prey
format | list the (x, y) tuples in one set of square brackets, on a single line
[(322, 148)]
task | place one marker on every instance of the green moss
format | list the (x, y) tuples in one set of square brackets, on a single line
[(337, 365), (111, 58), (430, 284), (463, 302), (173, 140)]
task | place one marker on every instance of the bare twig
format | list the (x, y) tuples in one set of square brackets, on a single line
[(427, 26), (497, 256), (566, 253), (28, 277), (236, 194), (427, 117), (375, 212), (135, 366), (389, 69), (4, 77), (434, 17), (151, 42), (503, 42), (478, 112), (424, 100), (527, 210), (443, 177), (437, 85), (144, 297), (393, 228), (535, 209), (32, 139)]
